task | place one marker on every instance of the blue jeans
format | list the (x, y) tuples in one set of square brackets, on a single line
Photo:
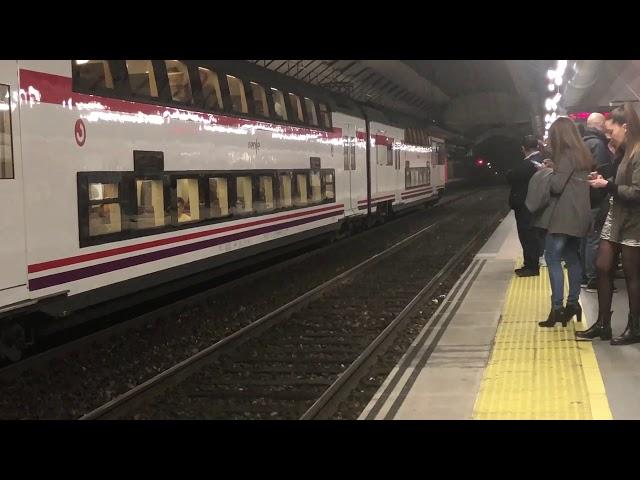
[(557, 247)]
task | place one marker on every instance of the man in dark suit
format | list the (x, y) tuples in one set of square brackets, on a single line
[(519, 178)]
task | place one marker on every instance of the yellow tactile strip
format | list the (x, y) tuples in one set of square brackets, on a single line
[(535, 372)]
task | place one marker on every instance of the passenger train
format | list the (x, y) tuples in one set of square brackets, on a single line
[(117, 176)]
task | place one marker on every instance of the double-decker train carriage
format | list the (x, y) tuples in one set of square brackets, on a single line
[(120, 175)]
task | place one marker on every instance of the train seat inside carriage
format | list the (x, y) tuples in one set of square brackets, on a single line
[(184, 211)]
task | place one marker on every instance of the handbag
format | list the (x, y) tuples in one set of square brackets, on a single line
[(538, 192), (560, 196)]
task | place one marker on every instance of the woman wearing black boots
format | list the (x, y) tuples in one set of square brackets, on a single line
[(621, 231), (567, 217)]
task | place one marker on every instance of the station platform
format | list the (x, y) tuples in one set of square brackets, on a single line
[(483, 356)]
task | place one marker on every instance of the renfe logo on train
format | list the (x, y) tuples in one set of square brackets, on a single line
[(80, 133)]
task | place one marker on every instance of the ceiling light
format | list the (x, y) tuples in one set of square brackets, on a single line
[(548, 104)]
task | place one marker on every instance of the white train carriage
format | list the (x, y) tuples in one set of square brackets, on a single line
[(117, 176)]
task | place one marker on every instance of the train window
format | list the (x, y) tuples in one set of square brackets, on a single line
[(296, 108), (389, 155), (278, 104), (284, 191), (442, 154), (416, 176), (92, 74), (259, 100), (244, 197), (6, 150), (103, 191), (238, 97), (218, 198), (325, 115), (150, 205), (142, 78), (381, 155), (210, 88), (316, 187), (300, 197), (264, 194), (179, 82), (311, 111), (104, 218), (188, 201), (329, 187), (104, 209)]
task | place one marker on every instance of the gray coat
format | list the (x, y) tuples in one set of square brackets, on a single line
[(626, 201), (569, 211)]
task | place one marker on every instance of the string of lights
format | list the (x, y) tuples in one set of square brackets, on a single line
[(556, 80)]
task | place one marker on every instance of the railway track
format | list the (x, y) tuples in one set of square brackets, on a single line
[(302, 359)]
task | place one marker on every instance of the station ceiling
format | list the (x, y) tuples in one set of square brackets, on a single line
[(600, 84), (470, 99)]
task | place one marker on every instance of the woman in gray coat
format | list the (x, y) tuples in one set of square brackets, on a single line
[(621, 231), (567, 218)]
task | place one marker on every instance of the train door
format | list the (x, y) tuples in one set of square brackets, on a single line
[(439, 163), (13, 276), (349, 151), (398, 159)]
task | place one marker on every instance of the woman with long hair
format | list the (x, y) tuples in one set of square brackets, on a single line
[(621, 230), (567, 218)]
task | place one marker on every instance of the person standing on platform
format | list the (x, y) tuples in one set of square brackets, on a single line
[(621, 230), (566, 218), (597, 143), (519, 178)]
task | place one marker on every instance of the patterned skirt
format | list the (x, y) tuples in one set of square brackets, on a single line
[(606, 230)]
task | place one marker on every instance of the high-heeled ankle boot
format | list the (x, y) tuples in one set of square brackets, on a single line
[(556, 315), (573, 309), (602, 328), (631, 333)]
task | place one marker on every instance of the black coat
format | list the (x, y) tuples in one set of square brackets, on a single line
[(597, 143), (519, 177)]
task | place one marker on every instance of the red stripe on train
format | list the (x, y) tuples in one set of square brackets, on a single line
[(417, 195), (377, 199)]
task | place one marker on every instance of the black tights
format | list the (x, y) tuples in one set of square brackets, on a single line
[(606, 263)]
